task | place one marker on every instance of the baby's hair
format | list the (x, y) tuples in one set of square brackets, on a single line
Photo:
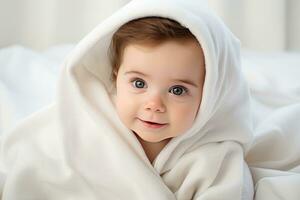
[(150, 31)]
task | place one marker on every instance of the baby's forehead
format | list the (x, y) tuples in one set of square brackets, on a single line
[(170, 59)]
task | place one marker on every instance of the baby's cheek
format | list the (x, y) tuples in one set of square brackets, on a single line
[(125, 107), (186, 114)]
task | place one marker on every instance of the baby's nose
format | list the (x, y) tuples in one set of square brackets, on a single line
[(155, 104)]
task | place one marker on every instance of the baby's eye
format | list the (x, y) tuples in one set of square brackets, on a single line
[(178, 90), (138, 83)]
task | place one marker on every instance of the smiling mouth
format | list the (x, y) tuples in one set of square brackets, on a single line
[(152, 124)]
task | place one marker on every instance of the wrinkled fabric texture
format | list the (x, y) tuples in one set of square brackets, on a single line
[(77, 148), (274, 156)]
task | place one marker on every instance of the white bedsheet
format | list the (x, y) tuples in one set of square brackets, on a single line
[(274, 157)]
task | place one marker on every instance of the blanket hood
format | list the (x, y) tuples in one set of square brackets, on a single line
[(225, 109)]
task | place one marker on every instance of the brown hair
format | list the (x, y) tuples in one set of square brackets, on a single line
[(148, 30)]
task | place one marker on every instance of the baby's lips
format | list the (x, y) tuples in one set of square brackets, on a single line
[(153, 122)]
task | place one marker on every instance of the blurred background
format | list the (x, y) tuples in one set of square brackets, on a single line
[(262, 25)]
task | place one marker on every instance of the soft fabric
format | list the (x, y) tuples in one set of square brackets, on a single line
[(77, 148), (27, 80), (274, 156)]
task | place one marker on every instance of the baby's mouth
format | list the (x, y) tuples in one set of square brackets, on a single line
[(150, 124), (153, 123)]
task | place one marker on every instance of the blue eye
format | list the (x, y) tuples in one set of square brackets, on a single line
[(178, 90), (138, 83)]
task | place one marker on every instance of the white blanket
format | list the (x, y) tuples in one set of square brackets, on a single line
[(274, 157), (77, 148), (27, 81)]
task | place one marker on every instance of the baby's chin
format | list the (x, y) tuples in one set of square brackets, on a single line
[(150, 139)]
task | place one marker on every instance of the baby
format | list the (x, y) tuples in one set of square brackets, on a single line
[(165, 115), (158, 70)]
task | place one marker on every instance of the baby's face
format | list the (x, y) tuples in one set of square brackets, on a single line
[(159, 89)]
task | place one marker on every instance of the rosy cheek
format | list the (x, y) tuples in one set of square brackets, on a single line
[(124, 104), (182, 113)]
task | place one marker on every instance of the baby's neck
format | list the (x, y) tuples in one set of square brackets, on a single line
[(152, 149)]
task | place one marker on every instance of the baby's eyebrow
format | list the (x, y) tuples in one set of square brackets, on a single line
[(186, 81), (189, 82), (135, 72)]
